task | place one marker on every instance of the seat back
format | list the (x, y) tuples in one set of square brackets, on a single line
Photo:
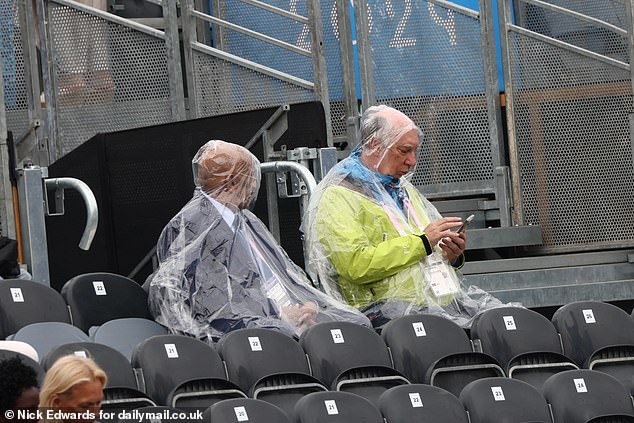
[(581, 395), (333, 347), (587, 326), (95, 298), (503, 400), (24, 302), (417, 341), (251, 354), (335, 407), (125, 334), (421, 403), (167, 361), (507, 332), (244, 410), (116, 365), (45, 336)]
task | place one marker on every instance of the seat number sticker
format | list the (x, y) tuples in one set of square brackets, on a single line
[(498, 394), (337, 336), (589, 316), (509, 322), (80, 354), (16, 295), (414, 398), (241, 414), (254, 341), (419, 329), (331, 407), (100, 288), (580, 385), (171, 350)]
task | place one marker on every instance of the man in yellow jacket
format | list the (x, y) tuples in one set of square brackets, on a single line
[(374, 240)]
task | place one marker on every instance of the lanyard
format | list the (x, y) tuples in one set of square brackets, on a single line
[(395, 220)]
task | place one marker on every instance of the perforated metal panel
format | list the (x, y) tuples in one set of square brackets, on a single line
[(427, 61), (573, 144), (224, 87), (106, 76), (12, 65), (588, 35), (611, 11)]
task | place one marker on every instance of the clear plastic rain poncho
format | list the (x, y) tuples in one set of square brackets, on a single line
[(220, 269), (364, 232)]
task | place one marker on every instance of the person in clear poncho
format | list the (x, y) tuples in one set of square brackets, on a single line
[(220, 269), (376, 242)]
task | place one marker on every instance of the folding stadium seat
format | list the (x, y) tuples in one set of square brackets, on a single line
[(523, 341), (24, 302), (47, 335), (598, 336), (121, 391), (125, 334), (95, 298), (612, 419), (350, 357), (503, 400), (578, 396), (421, 403), (21, 347), (180, 371), (335, 407), (7, 354), (245, 410), (434, 350), (269, 366)]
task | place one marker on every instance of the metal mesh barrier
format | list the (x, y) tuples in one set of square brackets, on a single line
[(611, 11), (224, 87), (12, 66), (573, 145), (427, 62), (107, 76), (588, 35)]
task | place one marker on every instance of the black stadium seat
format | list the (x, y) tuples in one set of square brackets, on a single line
[(434, 350), (95, 298), (121, 392), (523, 341), (39, 371), (268, 365), (350, 357), (180, 371), (578, 396), (24, 302), (46, 336), (421, 403), (335, 407), (503, 400), (244, 410), (125, 334), (598, 336)]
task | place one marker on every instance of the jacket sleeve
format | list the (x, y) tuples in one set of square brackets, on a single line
[(344, 225)]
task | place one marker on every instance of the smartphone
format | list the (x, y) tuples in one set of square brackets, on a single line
[(466, 223)]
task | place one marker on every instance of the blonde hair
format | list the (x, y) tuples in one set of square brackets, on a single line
[(68, 372)]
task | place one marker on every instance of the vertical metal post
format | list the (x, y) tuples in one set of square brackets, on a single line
[(365, 60), (487, 31), (629, 12), (189, 38), (320, 71), (31, 193), (346, 49), (271, 190), (172, 45), (505, 16), (218, 30)]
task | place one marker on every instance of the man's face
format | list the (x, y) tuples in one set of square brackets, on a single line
[(399, 158), (84, 397), (28, 400)]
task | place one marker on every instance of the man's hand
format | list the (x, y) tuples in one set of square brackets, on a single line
[(303, 315), (453, 247), (441, 229)]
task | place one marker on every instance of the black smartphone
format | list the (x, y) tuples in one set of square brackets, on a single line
[(466, 222)]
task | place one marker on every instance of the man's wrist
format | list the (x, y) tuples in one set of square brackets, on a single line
[(426, 244)]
